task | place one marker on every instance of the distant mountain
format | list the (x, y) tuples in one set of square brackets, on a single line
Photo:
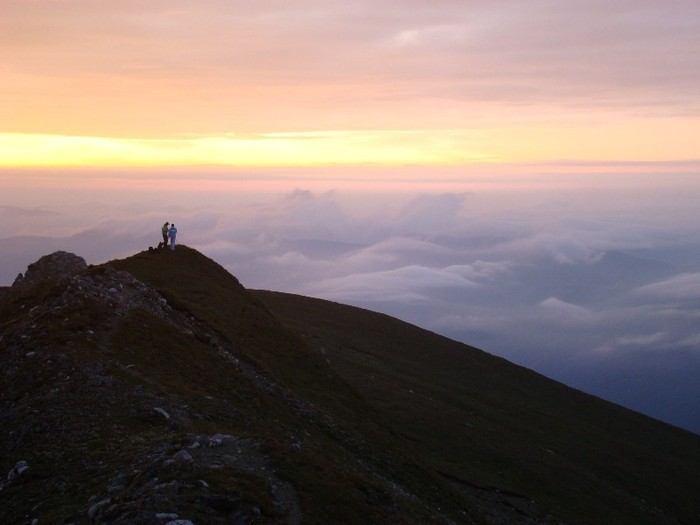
[(157, 389)]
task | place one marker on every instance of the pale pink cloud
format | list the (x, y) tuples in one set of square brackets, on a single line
[(166, 67)]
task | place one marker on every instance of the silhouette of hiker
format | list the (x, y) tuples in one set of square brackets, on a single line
[(164, 231), (172, 232)]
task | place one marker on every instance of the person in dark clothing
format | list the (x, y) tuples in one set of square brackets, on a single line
[(164, 231)]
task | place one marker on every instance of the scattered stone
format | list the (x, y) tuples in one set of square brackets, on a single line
[(91, 303), (97, 507), (112, 489), (17, 472), (184, 457), (162, 413), (167, 516)]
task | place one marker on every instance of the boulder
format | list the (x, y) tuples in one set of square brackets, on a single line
[(52, 266)]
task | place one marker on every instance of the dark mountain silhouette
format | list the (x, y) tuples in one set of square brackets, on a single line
[(157, 389)]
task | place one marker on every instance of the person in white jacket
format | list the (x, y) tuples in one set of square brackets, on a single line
[(172, 233)]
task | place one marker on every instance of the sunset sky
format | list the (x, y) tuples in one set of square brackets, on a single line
[(309, 83)]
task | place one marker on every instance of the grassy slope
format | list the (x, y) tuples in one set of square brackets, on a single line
[(81, 409), (200, 286), (484, 421), (327, 475), (394, 399)]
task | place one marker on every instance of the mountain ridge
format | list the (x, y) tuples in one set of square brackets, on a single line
[(558, 420), (156, 388)]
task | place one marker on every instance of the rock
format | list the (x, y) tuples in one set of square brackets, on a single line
[(112, 489), (52, 266), (184, 457), (217, 440), (17, 472), (167, 516), (97, 507), (162, 413)]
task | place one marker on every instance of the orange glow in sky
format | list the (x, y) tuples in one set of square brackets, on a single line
[(177, 83)]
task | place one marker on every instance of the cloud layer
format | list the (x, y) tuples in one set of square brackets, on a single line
[(490, 71), (597, 286)]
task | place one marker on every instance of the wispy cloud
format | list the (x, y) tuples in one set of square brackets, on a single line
[(439, 82)]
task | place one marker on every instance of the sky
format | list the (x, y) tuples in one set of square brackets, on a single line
[(172, 82), (522, 176)]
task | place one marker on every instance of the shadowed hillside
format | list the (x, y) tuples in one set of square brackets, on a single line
[(156, 388), (484, 422)]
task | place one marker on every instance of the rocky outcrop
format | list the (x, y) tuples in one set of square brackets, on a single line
[(152, 491), (52, 266), (45, 341), (18, 472)]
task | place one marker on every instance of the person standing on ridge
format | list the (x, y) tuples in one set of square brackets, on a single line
[(172, 232), (164, 231)]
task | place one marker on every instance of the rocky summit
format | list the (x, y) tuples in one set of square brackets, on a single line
[(158, 390), (55, 265)]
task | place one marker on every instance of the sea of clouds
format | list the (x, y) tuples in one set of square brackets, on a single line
[(595, 284)]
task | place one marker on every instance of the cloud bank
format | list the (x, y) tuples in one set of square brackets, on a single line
[(596, 285)]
